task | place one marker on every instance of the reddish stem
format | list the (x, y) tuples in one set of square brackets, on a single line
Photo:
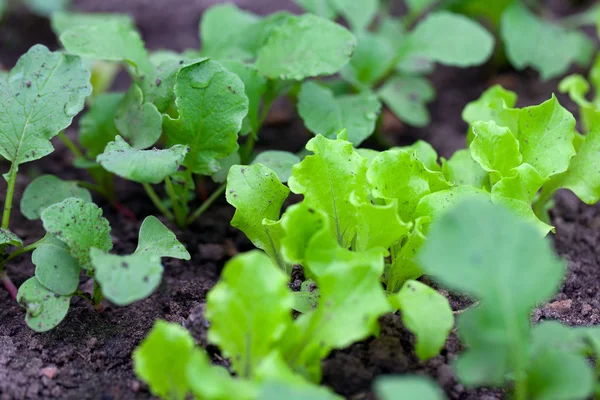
[(202, 191), (9, 285), (124, 210)]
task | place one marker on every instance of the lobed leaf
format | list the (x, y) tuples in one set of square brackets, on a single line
[(46, 190)]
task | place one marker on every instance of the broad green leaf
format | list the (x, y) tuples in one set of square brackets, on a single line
[(257, 195), (398, 174), (545, 137), (156, 239), (211, 105), (126, 279), (425, 153), (581, 177), (435, 204), (249, 310), (55, 268), (305, 46), (501, 268), (462, 170), (80, 225), (162, 359), (321, 8), (427, 314), (143, 166), (255, 86), (38, 99), (495, 148), (325, 114), (225, 165), (327, 178), (45, 310), (137, 121), (9, 238), (97, 126), (46, 190), (495, 104), (278, 391), (372, 58), (358, 13), (224, 32), (46, 8), (62, 20), (377, 225), (281, 162), (527, 37), (450, 39), (112, 39), (406, 96), (407, 388)]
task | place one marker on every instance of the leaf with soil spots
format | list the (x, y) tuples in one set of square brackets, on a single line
[(46, 190), (500, 267), (406, 97), (162, 359), (97, 126), (462, 170), (142, 166), (158, 240), (80, 226), (212, 104), (55, 267), (114, 39), (249, 310), (325, 114), (126, 279), (305, 46), (9, 238), (407, 388), (327, 178), (527, 37), (450, 39), (138, 121), (38, 99), (45, 309), (427, 314), (257, 195), (280, 162)]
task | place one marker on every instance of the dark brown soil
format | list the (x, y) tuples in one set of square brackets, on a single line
[(89, 355)]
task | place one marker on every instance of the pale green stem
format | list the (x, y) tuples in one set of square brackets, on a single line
[(157, 201), (70, 145), (10, 192), (180, 215), (213, 197)]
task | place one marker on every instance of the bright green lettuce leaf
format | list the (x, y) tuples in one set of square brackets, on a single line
[(212, 104), (581, 177), (495, 148), (545, 137), (577, 87), (326, 114), (46, 8), (358, 13), (398, 174), (257, 195), (435, 204), (80, 225), (501, 268), (162, 359), (249, 310), (126, 279), (462, 170), (224, 32), (450, 39), (404, 266), (427, 314), (281, 162), (305, 46), (321, 8), (7, 237), (495, 104), (114, 39), (377, 225), (46, 190), (137, 121), (278, 391), (406, 96), (327, 178), (143, 166), (407, 388), (38, 99), (158, 240), (55, 267), (97, 126), (523, 32), (45, 310), (425, 153), (255, 86)]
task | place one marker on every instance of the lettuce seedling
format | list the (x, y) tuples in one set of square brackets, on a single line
[(193, 101), (501, 269), (388, 65)]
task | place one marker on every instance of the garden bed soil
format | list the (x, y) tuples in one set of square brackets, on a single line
[(88, 356)]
